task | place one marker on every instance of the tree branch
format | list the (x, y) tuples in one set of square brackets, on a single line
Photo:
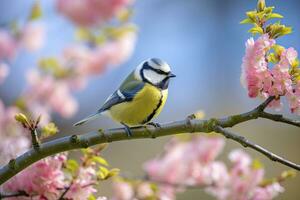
[(184, 126), (279, 118), (246, 143)]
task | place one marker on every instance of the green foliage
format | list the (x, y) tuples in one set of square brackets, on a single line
[(36, 11), (256, 164), (91, 197), (276, 30), (100, 36), (72, 166), (20, 117), (49, 130), (51, 65), (260, 16), (100, 160), (282, 177), (103, 173)]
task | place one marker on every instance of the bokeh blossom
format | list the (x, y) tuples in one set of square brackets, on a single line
[(47, 93), (90, 12), (193, 164), (32, 36), (11, 133), (4, 70), (8, 45)]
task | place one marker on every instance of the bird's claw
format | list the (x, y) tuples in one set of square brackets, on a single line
[(127, 130), (154, 124)]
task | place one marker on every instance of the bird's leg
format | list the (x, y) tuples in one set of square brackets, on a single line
[(127, 130), (154, 124)]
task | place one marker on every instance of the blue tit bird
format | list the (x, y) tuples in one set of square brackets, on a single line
[(140, 98)]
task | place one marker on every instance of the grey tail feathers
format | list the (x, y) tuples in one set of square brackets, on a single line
[(87, 119)]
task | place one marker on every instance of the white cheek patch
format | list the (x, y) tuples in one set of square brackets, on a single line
[(154, 77)]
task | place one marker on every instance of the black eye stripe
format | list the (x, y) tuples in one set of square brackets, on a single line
[(147, 66)]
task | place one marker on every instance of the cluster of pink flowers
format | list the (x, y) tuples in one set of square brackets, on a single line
[(42, 180), (264, 81), (11, 133), (90, 12), (47, 179), (30, 36), (192, 163), (83, 186)]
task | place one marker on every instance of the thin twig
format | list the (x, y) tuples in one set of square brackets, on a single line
[(246, 143), (279, 118), (65, 192)]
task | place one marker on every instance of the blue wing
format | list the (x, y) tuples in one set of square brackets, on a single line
[(123, 94)]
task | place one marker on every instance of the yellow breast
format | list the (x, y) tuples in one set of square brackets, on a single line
[(146, 105)]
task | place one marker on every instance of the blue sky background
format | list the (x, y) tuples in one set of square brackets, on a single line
[(204, 44)]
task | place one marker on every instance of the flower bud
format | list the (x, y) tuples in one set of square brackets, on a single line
[(261, 4), (20, 117)]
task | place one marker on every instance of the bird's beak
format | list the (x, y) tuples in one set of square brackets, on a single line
[(171, 75)]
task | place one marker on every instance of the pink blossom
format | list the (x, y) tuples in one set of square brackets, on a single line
[(267, 193), (144, 190), (4, 70), (288, 56), (8, 45), (254, 67), (90, 12), (122, 191), (83, 186), (42, 178), (13, 139), (262, 81), (32, 36)]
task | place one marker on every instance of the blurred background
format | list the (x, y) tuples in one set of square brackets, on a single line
[(204, 44)]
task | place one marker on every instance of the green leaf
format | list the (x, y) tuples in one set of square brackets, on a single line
[(91, 197), (100, 160), (256, 29), (113, 172), (247, 21), (261, 4), (273, 58), (20, 117), (102, 173), (274, 15), (72, 165), (49, 130), (251, 15), (36, 11), (83, 34), (288, 174), (278, 49), (256, 164)]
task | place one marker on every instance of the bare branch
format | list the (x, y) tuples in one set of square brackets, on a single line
[(246, 143), (279, 118)]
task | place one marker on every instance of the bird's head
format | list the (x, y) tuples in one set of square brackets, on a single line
[(154, 71)]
